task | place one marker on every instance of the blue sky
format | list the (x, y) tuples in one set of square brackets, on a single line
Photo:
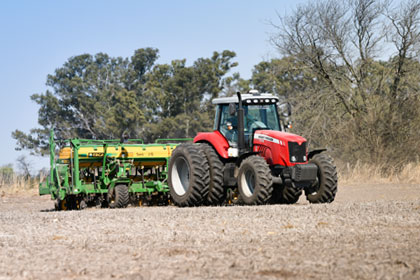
[(39, 36)]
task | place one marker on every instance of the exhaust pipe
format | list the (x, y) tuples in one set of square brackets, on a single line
[(241, 133)]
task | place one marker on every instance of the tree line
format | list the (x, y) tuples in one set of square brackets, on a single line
[(349, 68)]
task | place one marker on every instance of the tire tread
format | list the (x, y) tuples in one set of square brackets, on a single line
[(328, 187), (199, 168), (216, 194), (263, 173)]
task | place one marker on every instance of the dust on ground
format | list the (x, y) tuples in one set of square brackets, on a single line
[(370, 231)]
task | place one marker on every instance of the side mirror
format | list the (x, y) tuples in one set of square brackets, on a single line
[(285, 109), (232, 109)]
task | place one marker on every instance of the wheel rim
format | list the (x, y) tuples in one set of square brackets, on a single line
[(248, 182), (63, 204), (180, 176)]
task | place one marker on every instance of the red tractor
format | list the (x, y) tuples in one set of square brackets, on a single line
[(250, 159)]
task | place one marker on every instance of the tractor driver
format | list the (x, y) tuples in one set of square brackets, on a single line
[(229, 129), (229, 126)]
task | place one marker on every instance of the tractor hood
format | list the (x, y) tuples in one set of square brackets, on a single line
[(280, 148), (280, 136)]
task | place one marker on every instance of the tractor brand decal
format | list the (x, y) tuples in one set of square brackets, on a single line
[(263, 138)]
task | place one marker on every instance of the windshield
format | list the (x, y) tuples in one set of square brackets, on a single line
[(261, 116), (255, 117)]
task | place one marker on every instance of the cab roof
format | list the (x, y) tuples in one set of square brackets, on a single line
[(248, 98)]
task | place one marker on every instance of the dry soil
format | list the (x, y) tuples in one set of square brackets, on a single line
[(371, 231)]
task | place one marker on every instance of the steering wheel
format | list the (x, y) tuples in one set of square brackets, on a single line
[(257, 124)]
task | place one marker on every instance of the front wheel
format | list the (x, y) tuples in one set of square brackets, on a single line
[(285, 194), (325, 187), (254, 181)]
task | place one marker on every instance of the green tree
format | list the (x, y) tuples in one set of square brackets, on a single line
[(179, 95), (283, 77), (101, 97), (91, 97)]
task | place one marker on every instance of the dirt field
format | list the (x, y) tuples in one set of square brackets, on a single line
[(369, 232)]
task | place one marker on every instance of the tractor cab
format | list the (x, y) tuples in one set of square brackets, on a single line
[(260, 112)]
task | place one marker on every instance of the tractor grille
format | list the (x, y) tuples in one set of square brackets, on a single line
[(297, 151)]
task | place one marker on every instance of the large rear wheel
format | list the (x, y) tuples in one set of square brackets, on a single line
[(325, 187), (217, 193), (188, 175), (254, 181)]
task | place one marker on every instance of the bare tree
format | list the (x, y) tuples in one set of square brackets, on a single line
[(363, 102), (405, 35), (24, 165), (337, 40)]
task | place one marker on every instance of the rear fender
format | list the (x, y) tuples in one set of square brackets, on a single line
[(216, 139)]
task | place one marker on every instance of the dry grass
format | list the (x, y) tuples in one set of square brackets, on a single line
[(17, 184), (367, 173)]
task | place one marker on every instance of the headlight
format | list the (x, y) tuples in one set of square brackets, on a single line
[(293, 158)]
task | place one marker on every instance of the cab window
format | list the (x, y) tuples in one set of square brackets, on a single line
[(228, 125)]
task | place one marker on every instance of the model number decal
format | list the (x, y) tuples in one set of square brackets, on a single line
[(263, 137)]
